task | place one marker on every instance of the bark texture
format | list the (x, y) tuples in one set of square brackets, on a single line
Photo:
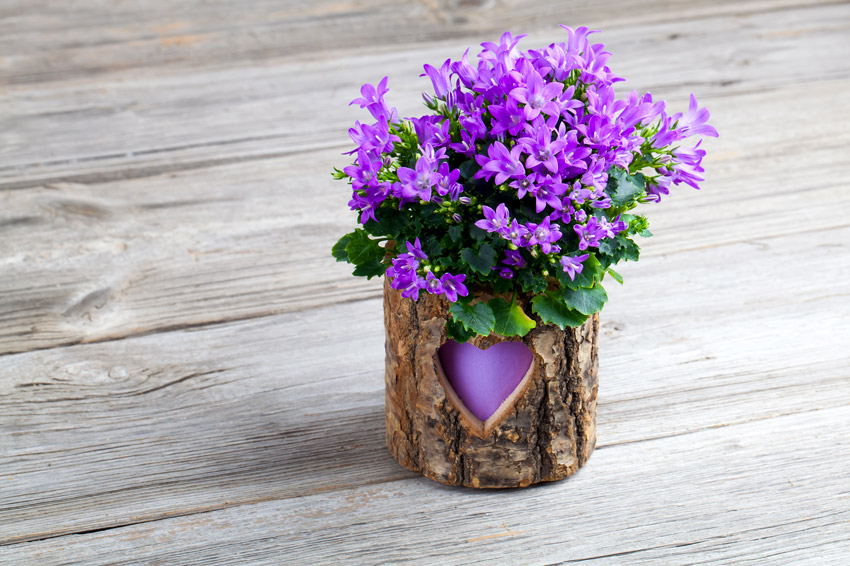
[(547, 436)]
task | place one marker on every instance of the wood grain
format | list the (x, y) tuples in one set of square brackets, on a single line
[(87, 263), (545, 430), (721, 496), (186, 421), (186, 376), (150, 121), (45, 41)]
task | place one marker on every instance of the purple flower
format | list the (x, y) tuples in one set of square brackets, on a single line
[(373, 138), (507, 117), (440, 78), (453, 286), (514, 258), (467, 73), (516, 232), (431, 130), (499, 160), (367, 200), (418, 182), (415, 249), (573, 265), (546, 191), (466, 145), (590, 234), (543, 234), (694, 122), (373, 100), (411, 288), (541, 149), (504, 272), (366, 170), (447, 183), (611, 229), (433, 285), (403, 269), (494, 220), (537, 96), (688, 165)]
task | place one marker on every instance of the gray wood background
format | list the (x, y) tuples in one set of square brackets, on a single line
[(186, 376)]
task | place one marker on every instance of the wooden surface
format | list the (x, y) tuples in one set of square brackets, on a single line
[(186, 376)]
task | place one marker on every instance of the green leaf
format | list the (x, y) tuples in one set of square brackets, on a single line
[(532, 283), (370, 269), (478, 317), (457, 332), (455, 232), (338, 250), (585, 300), (468, 168), (362, 249), (617, 277), (591, 271), (432, 247), (624, 189), (482, 262), (620, 248), (501, 285), (477, 233), (391, 223), (552, 310), (511, 320)]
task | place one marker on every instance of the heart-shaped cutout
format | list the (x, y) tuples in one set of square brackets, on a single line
[(484, 384)]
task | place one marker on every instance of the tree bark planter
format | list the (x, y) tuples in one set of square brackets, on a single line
[(544, 431)]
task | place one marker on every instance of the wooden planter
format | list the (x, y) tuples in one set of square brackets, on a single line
[(546, 434)]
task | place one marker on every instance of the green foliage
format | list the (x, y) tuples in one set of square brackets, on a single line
[(365, 253), (338, 251), (361, 249), (591, 271), (511, 320), (482, 262), (619, 248), (390, 224), (532, 283), (624, 189), (553, 310), (468, 168), (616, 276), (477, 317), (457, 332), (586, 300)]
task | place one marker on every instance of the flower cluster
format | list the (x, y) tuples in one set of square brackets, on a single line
[(520, 180), (405, 274)]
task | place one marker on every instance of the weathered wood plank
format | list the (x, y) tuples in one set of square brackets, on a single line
[(45, 41), (83, 263), (193, 420), (772, 492), (151, 121)]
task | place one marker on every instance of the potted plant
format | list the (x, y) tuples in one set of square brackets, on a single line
[(495, 218)]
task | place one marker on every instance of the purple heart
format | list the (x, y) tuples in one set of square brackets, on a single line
[(483, 379)]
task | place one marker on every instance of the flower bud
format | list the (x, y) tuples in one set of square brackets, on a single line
[(456, 217), (464, 200)]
